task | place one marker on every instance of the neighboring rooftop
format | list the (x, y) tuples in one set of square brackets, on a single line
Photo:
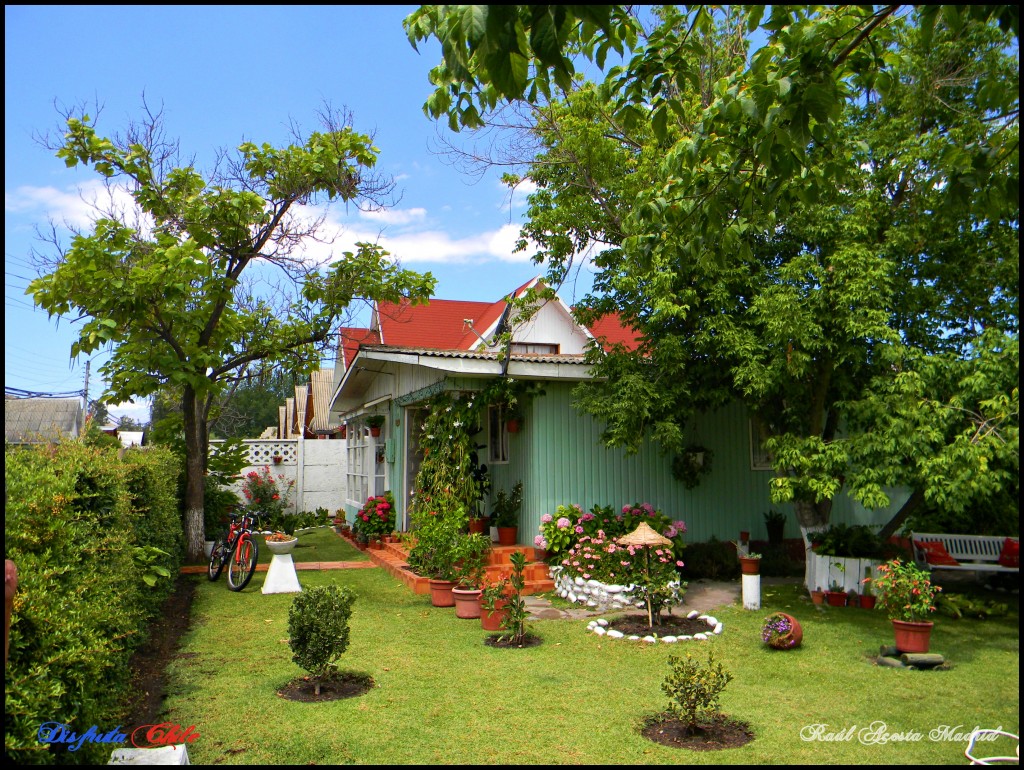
[(36, 420)]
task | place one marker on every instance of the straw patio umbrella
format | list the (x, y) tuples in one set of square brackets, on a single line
[(645, 537)]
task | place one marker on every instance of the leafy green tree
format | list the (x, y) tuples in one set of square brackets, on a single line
[(825, 231), (178, 287)]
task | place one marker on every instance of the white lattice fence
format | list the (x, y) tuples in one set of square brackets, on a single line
[(316, 467), (265, 452)]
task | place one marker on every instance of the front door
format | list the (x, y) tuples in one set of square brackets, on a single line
[(414, 419)]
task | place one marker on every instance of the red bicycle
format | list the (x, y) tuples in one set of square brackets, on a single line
[(238, 549)]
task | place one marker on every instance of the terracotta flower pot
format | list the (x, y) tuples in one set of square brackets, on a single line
[(467, 602), (836, 598), (750, 566), (491, 621), (793, 638), (912, 636), (375, 432), (512, 426), (441, 593), (867, 602), (477, 526), (818, 597), (507, 535)]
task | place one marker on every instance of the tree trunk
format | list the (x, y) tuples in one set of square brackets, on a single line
[(195, 474), (811, 514), (913, 502)]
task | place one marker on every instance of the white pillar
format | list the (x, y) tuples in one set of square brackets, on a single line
[(751, 592), (281, 576)]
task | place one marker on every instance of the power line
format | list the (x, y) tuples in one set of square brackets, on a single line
[(19, 393)]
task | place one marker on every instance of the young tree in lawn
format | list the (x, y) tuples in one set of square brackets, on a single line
[(173, 287), (819, 236)]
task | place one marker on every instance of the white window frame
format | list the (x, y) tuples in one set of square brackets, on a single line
[(760, 458), (535, 348), (497, 445), (365, 476)]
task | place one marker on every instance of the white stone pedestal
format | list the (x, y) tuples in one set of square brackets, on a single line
[(163, 755), (281, 576), (751, 592)]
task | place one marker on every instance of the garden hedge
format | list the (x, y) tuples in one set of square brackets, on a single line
[(75, 516)]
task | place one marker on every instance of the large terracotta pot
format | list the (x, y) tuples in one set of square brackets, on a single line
[(750, 566), (867, 602), (491, 621), (793, 638), (441, 593), (467, 602), (507, 535), (912, 636)]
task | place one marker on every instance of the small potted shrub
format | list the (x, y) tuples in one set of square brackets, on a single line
[(493, 601), (375, 422), (775, 524), (836, 596), (750, 563), (469, 574), (506, 514), (908, 595)]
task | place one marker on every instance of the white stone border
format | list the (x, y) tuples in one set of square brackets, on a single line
[(600, 627), (596, 594)]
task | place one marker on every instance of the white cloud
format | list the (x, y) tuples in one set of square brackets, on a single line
[(78, 205), (395, 217), (409, 234), (137, 412)]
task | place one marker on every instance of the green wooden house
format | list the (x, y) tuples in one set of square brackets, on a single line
[(408, 354)]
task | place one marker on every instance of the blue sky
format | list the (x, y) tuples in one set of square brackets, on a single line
[(223, 76)]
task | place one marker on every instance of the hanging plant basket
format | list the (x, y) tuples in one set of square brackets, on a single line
[(692, 465)]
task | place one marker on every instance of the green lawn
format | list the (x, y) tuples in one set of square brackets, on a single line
[(444, 697), (320, 544)]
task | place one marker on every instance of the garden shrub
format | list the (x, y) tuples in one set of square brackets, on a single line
[(318, 628), (713, 560), (694, 688), (76, 519)]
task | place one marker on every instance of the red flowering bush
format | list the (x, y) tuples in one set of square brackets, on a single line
[(377, 516), (265, 494), (905, 591)]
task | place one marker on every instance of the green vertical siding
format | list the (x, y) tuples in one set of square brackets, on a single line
[(559, 458)]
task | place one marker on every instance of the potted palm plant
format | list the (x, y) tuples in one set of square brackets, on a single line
[(506, 514)]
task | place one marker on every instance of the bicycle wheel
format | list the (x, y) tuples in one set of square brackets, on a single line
[(242, 563), (217, 558)]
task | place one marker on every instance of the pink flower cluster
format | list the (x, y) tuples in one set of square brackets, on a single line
[(641, 510)]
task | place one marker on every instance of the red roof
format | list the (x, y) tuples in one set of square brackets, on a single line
[(351, 339), (441, 325), (610, 331)]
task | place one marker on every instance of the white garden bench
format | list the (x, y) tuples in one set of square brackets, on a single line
[(976, 553)]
